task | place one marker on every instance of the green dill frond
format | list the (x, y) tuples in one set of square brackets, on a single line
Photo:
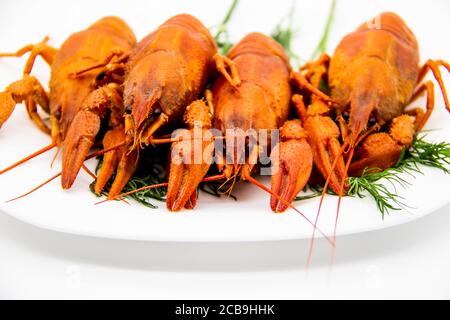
[(322, 46), (313, 192), (222, 37), (435, 155), (375, 183), (284, 34), (151, 171)]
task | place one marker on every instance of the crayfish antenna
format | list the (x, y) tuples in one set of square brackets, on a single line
[(263, 187), (55, 157), (36, 188), (60, 173), (327, 182), (214, 178), (103, 151), (341, 191), (27, 158), (123, 195), (89, 172), (47, 182)]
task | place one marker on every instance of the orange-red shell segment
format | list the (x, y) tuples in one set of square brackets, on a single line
[(375, 69), (262, 100), (169, 69), (81, 50)]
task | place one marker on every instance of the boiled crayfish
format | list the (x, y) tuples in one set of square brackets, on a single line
[(373, 76), (261, 102), (85, 73)]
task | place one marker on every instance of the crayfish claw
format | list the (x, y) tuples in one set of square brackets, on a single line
[(111, 158), (125, 169), (381, 150), (323, 135), (76, 146), (190, 157), (187, 170), (292, 162)]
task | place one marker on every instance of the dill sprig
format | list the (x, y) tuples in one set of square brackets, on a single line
[(222, 37), (369, 182), (147, 196), (150, 171), (436, 155), (284, 34), (313, 191), (322, 46), (376, 183)]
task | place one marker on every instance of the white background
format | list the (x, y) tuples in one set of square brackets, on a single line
[(409, 261)]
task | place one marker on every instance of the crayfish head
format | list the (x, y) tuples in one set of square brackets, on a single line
[(362, 113)]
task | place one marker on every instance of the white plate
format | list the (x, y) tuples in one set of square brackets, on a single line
[(248, 219)]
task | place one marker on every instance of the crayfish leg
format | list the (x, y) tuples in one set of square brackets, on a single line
[(27, 89), (421, 117), (40, 49), (228, 69), (300, 80), (113, 63), (434, 65)]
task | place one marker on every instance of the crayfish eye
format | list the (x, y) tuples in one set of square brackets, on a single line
[(58, 114), (346, 115), (101, 76), (128, 110), (372, 121)]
